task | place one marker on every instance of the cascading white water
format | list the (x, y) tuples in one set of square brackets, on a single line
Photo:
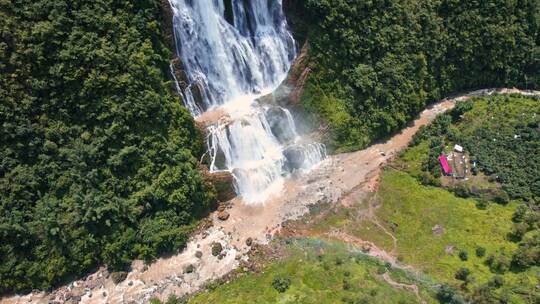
[(233, 52)]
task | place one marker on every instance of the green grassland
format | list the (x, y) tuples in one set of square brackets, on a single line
[(321, 272), (415, 209)]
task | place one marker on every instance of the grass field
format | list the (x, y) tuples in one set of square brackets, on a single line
[(320, 272)]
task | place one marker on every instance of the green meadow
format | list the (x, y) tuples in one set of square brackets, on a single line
[(321, 272)]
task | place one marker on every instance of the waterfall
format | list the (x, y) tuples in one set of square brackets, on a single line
[(233, 52)]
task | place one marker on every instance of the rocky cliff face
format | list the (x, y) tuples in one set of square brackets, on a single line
[(298, 75), (223, 183), (296, 18), (166, 23)]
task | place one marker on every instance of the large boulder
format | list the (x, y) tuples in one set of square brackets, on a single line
[(223, 215), (295, 157), (223, 183)]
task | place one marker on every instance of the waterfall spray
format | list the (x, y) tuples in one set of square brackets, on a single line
[(232, 55)]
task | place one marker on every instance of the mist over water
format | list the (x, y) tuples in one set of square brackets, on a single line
[(234, 52)]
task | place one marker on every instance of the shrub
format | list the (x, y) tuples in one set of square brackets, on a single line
[(462, 274), (518, 231), (528, 253), (174, 299), (447, 295), (500, 197), (461, 190), (118, 276), (347, 285), (281, 284), (499, 263), (519, 214), (497, 281), (427, 179), (463, 255), (480, 251), (214, 284), (482, 202), (155, 300)]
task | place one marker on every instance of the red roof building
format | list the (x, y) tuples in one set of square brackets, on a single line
[(444, 164)]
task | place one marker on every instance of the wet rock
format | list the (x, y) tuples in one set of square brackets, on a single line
[(189, 269), (198, 254), (119, 276), (294, 156), (249, 241), (223, 215), (104, 294), (221, 207), (224, 184), (130, 283)]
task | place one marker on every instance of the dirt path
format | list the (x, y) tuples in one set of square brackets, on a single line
[(344, 178), (367, 247), (411, 287)]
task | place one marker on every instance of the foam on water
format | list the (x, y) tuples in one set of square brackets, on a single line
[(232, 56)]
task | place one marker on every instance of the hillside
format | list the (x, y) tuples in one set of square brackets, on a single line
[(376, 64), (97, 157)]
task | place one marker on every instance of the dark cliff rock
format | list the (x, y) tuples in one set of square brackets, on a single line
[(298, 75), (223, 183), (296, 17), (166, 23)]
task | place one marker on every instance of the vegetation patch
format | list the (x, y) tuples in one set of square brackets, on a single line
[(498, 132), (375, 64), (315, 271), (98, 159)]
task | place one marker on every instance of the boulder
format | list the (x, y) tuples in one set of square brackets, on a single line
[(223, 182), (223, 215), (189, 268), (216, 248)]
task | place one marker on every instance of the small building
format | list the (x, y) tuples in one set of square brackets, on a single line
[(445, 166), (458, 148)]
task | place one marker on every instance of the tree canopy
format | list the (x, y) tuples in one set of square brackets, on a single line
[(97, 155), (376, 63)]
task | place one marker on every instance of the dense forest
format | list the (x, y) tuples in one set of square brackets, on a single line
[(97, 156), (375, 64)]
